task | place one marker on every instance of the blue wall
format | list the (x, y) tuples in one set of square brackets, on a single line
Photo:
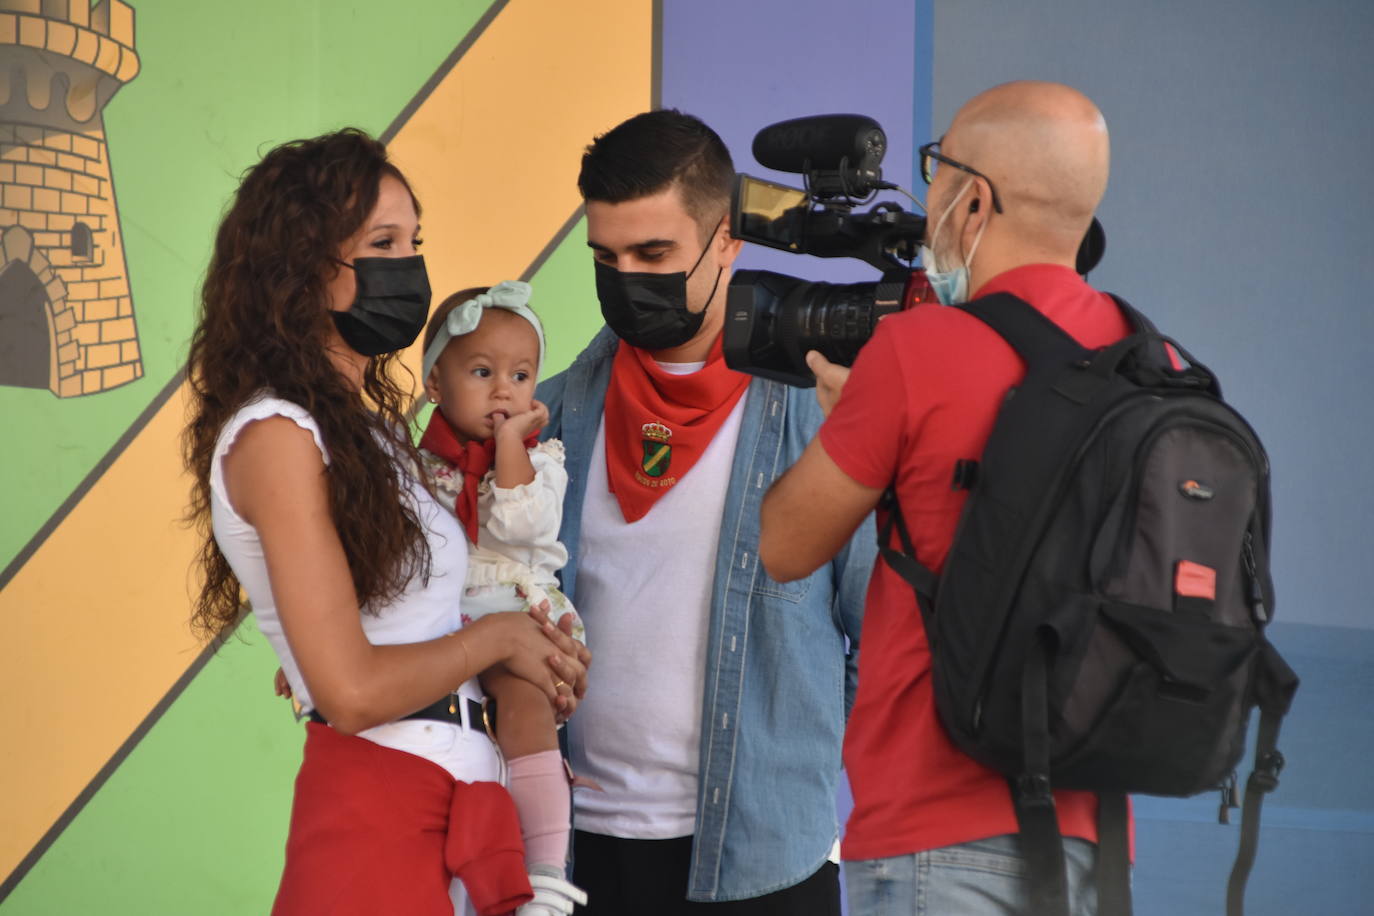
[(743, 66), (1239, 217)]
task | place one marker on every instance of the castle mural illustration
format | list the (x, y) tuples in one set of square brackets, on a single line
[(66, 313)]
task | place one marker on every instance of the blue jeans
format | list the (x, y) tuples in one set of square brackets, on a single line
[(982, 878)]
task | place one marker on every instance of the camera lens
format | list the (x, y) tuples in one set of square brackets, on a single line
[(772, 320), (834, 319)]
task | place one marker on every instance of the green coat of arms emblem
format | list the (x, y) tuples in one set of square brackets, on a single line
[(658, 454)]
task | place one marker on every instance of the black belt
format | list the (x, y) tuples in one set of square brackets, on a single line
[(449, 709)]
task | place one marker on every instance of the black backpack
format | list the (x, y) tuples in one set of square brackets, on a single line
[(1099, 621)]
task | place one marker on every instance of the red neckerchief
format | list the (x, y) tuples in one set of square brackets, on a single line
[(473, 459), (658, 424)]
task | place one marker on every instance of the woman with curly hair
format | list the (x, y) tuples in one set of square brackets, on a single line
[(307, 496)]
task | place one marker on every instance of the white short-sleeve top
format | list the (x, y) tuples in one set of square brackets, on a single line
[(517, 533), (426, 610)]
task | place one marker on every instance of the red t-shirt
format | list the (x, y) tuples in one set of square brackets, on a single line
[(923, 394)]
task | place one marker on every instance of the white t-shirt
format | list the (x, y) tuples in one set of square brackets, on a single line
[(645, 590), (427, 609)]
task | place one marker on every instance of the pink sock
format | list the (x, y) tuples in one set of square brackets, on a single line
[(539, 785)]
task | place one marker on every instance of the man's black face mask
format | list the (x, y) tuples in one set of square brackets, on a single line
[(648, 310)]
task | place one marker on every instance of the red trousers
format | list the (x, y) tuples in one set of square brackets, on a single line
[(378, 831)]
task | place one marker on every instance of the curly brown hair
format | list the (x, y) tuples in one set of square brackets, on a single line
[(264, 324)]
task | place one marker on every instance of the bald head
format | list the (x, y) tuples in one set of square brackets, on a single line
[(1045, 148)]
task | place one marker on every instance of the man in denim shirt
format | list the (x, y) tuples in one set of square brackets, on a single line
[(715, 721)]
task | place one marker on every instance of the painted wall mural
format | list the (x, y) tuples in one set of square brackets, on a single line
[(142, 773), (133, 753), (66, 313)]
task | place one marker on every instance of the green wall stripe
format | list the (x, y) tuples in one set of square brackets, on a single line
[(103, 776), (194, 818), (554, 244)]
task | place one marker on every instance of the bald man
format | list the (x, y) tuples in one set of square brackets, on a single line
[(1013, 186)]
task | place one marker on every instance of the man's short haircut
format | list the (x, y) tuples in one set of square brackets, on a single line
[(653, 151)]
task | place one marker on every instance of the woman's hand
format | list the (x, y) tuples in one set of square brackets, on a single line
[(535, 650), (571, 664)]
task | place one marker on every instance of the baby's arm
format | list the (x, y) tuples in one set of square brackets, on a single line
[(513, 466), (528, 517)]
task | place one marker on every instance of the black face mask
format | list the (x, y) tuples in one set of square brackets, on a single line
[(390, 307), (649, 311)]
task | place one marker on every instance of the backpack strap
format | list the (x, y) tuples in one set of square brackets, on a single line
[(1043, 344), (919, 576), (1161, 360), (1040, 342), (1037, 339), (1275, 684), (1048, 349), (1113, 855), (1136, 319), (1042, 845), (1045, 347)]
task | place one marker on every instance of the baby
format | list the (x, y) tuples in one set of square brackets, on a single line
[(483, 352)]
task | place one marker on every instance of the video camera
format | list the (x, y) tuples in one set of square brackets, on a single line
[(772, 320)]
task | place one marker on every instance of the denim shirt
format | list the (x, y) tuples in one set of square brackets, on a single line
[(779, 676)]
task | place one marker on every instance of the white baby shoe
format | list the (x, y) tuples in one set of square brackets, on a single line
[(552, 897)]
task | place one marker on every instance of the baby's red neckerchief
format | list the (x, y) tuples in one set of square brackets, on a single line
[(473, 459)]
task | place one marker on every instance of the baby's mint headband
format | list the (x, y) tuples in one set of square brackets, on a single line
[(512, 295)]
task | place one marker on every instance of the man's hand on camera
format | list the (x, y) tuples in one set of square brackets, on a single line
[(830, 379)]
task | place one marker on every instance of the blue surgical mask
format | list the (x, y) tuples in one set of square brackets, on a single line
[(950, 286)]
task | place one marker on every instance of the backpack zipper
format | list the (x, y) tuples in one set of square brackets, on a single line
[(1253, 589)]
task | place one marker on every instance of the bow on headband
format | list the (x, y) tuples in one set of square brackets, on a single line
[(512, 295)]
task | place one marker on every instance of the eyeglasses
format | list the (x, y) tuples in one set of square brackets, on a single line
[(929, 157)]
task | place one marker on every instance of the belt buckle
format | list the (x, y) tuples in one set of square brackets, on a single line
[(489, 717)]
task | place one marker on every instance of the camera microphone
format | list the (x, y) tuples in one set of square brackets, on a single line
[(823, 143)]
